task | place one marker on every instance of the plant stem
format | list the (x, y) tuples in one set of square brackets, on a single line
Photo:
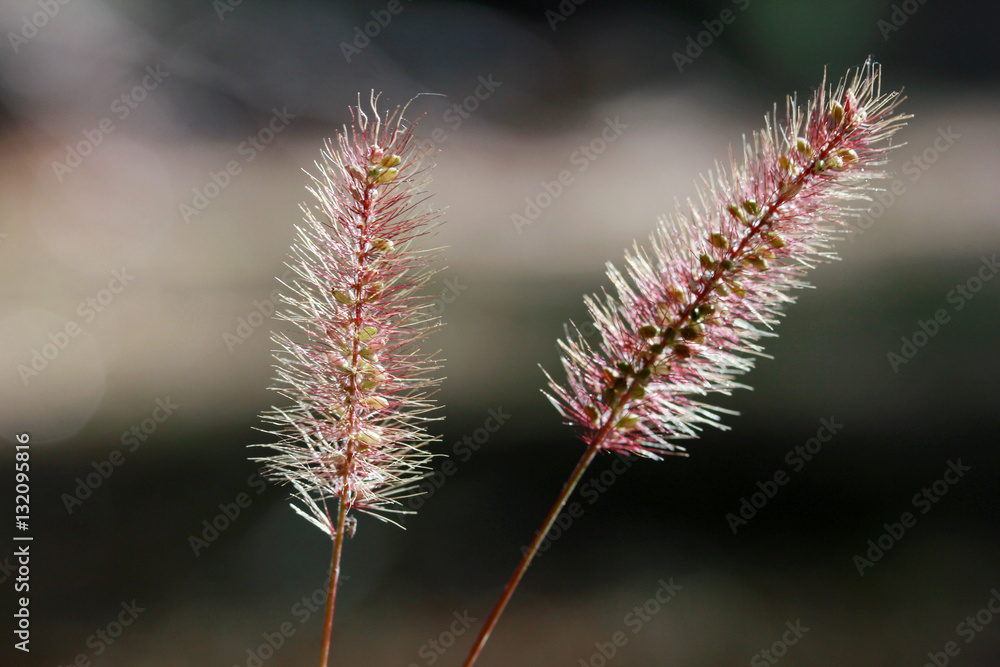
[(338, 540), (508, 591), (595, 444), (338, 547)]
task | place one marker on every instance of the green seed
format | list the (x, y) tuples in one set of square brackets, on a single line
[(837, 112), (699, 313), (648, 331), (774, 239), (375, 402), (791, 189), (847, 155), (390, 160), (367, 333), (388, 175), (383, 245), (692, 332), (368, 437), (627, 422), (719, 241), (637, 392)]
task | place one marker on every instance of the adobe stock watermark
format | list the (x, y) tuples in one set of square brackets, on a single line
[(105, 636), (581, 159), (307, 607), (32, 25), (130, 439), (591, 491), (7, 570), (459, 112), (248, 149), (927, 329), (263, 310), (779, 649), (88, 310), (121, 108), (696, 44), (634, 621), (363, 35), (223, 7), (898, 17), (229, 512), (452, 290), (22, 617), (968, 630), (463, 450), (796, 459), (432, 650), (562, 13), (913, 169), (923, 500)]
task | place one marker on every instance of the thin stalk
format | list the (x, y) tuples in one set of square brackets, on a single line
[(338, 547), (594, 446), (508, 591), (338, 540)]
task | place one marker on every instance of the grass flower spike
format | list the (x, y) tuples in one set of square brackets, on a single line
[(689, 311), (354, 435)]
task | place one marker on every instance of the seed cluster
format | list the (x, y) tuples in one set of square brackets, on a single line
[(357, 383), (688, 312)]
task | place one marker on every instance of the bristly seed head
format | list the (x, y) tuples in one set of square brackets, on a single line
[(688, 314), (359, 387)]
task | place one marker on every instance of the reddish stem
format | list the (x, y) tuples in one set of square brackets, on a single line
[(338, 540), (508, 591), (595, 445), (338, 547)]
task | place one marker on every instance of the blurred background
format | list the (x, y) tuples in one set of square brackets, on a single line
[(151, 159)]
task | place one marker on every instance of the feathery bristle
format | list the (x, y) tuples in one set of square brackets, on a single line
[(359, 388), (689, 312)]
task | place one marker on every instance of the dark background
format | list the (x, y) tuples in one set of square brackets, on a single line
[(164, 336)]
